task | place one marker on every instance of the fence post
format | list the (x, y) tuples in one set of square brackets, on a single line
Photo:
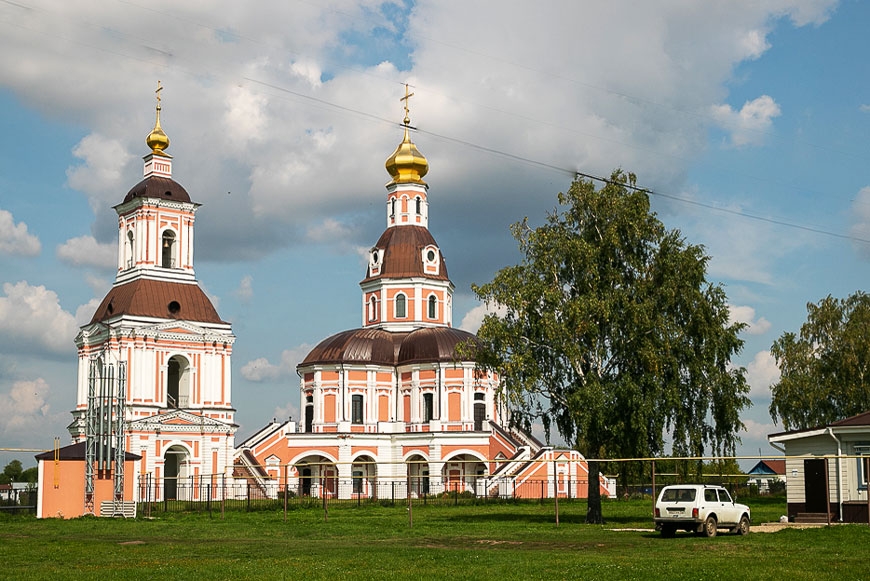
[(286, 470)]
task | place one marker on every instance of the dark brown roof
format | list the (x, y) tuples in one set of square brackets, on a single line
[(357, 346), (77, 452), (158, 187), (432, 344), (158, 299), (402, 248), (379, 347), (862, 419)]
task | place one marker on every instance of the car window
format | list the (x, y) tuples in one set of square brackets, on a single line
[(678, 495), (724, 496), (710, 495)]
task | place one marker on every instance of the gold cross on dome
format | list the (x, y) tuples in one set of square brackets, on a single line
[(157, 92), (407, 96)]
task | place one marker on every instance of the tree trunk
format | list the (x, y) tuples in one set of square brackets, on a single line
[(593, 503)]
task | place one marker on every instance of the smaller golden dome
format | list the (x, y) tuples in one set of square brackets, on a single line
[(157, 140), (407, 164)]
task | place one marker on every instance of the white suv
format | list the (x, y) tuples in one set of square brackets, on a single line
[(699, 508)]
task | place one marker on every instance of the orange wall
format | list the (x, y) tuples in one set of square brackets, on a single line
[(454, 406), (329, 408), (384, 408), (68, 499)]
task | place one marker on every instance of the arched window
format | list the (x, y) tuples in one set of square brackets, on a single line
[(373, 309), (479, 411), (419, 205), (393, 207), (168, 250), (433, 307), (401, 306), (129, 249)]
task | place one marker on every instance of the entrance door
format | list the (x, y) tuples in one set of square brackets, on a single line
[(305, 488), (170, 476), (814, 485)]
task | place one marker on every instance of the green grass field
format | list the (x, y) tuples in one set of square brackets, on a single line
[(495, 541)]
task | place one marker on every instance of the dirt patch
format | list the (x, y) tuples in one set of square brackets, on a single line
[(774, 527)]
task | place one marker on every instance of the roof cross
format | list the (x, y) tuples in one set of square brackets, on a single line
[(407, 96)]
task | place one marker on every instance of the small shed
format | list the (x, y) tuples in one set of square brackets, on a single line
[(61, 489), (830, 462)]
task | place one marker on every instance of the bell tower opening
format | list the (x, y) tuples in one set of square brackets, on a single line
[(130, 255), (167, 256), (178, 383)]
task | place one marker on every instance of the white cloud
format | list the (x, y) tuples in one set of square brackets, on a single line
[(754, 436), (750, 124), (85, 312), (864, 107), (86, 251), (746, 314), (24, 405), (15, 239), (31, 318), (102, 176), (473, 319), (246, 289), (860, 227), (290, 410), (261, 370), (286, 109), (761, 373)]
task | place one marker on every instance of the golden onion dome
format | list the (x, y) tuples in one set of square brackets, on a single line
[(407, 164), (157, 140)]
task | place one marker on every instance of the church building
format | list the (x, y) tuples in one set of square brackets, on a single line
[(154, 374), (399, 400)]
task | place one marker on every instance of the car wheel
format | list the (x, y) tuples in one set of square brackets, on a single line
[(743, 526), (668, 531), (710, 526)]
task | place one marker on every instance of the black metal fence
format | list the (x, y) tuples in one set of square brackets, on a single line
[(220, 494)]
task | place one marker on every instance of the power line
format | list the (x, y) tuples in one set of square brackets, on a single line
[(564, 170)]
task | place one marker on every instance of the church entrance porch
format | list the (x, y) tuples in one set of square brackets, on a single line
[(363, 478), (465, 473), (418, 476), (318, 475)]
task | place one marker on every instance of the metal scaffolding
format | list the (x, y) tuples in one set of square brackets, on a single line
[(104, 430)]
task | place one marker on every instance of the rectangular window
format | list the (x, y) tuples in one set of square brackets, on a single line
[(427, 407), (356, 411), (862, 450)]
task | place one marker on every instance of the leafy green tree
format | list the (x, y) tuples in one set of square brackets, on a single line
[(11, 472), (824, 371), (30, 475), (611, 332)]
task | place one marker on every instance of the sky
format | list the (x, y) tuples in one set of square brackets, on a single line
[(749, 121)]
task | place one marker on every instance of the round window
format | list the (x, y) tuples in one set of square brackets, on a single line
[(430, 256), (375, 257)]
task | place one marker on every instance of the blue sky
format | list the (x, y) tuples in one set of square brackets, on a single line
[(751, 119)]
